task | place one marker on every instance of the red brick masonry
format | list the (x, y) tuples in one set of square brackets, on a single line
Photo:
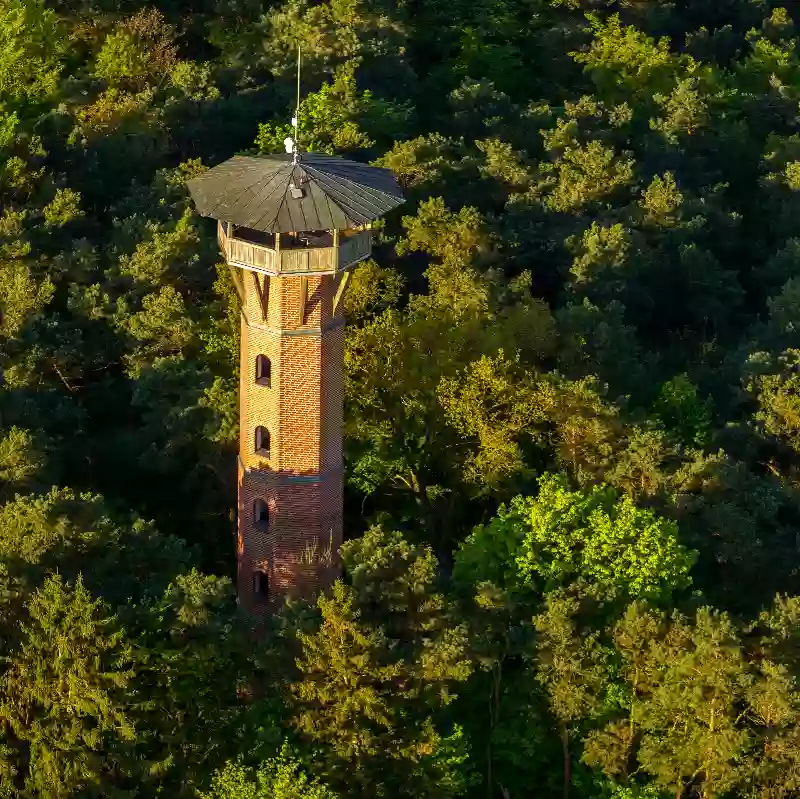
[(301, 477)]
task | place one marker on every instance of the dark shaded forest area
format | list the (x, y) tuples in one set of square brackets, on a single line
[(572, 404)]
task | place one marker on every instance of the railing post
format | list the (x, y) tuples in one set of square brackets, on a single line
[(336, 261), (222, 239)]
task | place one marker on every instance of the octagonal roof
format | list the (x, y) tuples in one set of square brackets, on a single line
[(257, 192)]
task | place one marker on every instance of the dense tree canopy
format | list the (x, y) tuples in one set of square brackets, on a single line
[(572, 411)]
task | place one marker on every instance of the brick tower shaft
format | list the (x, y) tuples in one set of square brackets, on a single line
[(290, 450)]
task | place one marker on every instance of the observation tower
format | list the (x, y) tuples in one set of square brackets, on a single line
[(291, 228)]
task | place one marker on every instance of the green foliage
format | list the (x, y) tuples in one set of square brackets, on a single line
[(32, 44), (494, 403), (330, 35), (603, 539), (377, 671), (63, 208), (337, 118), (19, 459), (138, 52), (22, 297), (372, 289), (194, 81), (121, 59), (586, 177), (280, 777), (776, 385), (681, 410), (594, 276), (63, 691), (611, 548)]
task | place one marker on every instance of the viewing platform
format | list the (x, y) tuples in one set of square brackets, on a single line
[(318, 252)]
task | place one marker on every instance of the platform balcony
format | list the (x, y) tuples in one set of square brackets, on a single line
[(287, 254)]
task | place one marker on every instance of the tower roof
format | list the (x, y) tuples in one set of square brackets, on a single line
[(257, 192)]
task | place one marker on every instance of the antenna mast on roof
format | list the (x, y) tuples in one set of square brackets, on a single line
[(296, 120)]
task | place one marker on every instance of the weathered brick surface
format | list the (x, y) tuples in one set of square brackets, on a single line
[(299, 549), (332, 397), (301, 480)]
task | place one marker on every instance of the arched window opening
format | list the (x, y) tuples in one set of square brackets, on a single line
[(263, 371), (262, 441), (261, 585), (261, 513)]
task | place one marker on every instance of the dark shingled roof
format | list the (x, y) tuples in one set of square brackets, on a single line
[(253, 191)]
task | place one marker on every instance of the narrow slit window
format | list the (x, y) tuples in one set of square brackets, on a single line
[(262, 441), (263, 371), (261, 585), (261, 513)]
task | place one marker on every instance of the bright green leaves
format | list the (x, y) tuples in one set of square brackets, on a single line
[(31, 45), (453, 236), (328, 120), (587, 177), (616, 548), (495, 402), (121, 60), (607, 545), (777, 387), (625, 62), (280, 777), (63, 208), (22, 297)]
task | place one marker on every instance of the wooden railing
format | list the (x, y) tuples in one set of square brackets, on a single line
[(355, 248), (292, 260), (243, 252)]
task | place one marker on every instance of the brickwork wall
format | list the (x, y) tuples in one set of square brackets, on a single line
[(259, 405), (300, 398), (332, 397), (301, 481), (299, 550)]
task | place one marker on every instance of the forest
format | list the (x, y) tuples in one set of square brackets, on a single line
[(572, 404)]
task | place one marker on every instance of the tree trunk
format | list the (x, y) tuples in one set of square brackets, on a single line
[(494, 711), (567, 762)]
